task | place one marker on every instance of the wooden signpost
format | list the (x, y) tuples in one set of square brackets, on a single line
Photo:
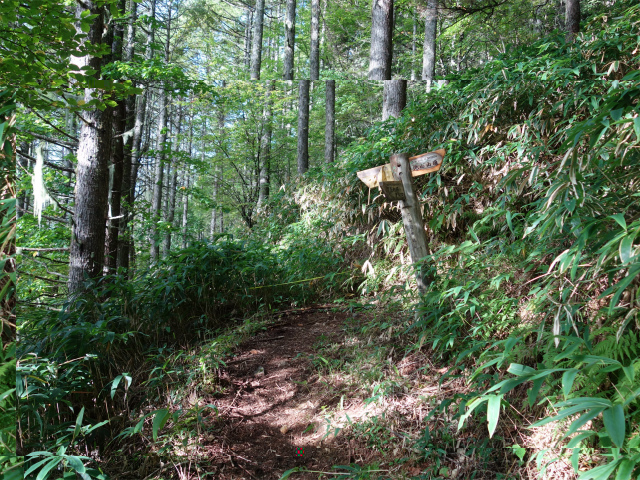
[(395, 182)]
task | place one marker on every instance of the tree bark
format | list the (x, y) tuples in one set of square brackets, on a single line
[(185, 187), (413, 46), (173, 186), (265, 170), (429, 48), (572, 19), (156, 203), (256, 50), (314, 48), (381, 40), (92, 182), (303, 127), (290, 39), (330, 121), (117, 159), (130, 107), (394, 98), (247, 38)]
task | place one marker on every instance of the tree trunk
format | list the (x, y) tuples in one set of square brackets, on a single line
[(247, 38), (156, 203), (330, 121), (130, 107), (290, 39), (92, 181), (265, 170), (572, 19), (413, 46), (216, 213), (117, 159), (256, 50), (314, 49), (303, 127), (173, 186), (429, 48), (381, 40), (185, 187), (394, 98)]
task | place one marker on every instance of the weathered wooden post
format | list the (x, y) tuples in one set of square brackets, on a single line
[(394, 180), (411, 216)]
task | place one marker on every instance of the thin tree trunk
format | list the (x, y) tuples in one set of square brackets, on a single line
[(173, 186), (572, 19), (247, 38), (130, 106), (117, 159), (381, 40), (185, 187), (394, 98), (429, 48), (413, 47), (303, 127), (156, 203), (185, 208), (323, 14), (265, 170), (94, 150), (256, 50), (330, 121), (290, 39), (314, 50)]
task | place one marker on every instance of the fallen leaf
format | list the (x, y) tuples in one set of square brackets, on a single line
[(284, 429)]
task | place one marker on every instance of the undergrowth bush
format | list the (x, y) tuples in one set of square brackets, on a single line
[(81, 366)]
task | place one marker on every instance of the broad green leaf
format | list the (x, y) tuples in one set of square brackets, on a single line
[(626, 248), (618, 217), (599, 473), (625, 470), (568, 378), (44, 473), (159, 420), (614, 423), (78, 427), (493, 412)]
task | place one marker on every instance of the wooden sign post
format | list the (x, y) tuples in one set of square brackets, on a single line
[(394, 180), (411, 216)]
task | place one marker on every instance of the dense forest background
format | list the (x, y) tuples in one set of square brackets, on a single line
[(181, 175)]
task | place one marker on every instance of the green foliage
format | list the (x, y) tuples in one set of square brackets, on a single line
[(10, 465)]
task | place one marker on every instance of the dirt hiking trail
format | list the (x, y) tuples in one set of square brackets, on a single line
[(270, 418)]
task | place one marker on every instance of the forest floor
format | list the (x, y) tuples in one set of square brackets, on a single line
[(333, 392)]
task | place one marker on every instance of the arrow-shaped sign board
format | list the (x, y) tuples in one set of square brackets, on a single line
[(420, 165)]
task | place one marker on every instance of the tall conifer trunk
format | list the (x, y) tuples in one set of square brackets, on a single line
[(394, 98), (330, 122), (256, 50), (117, 158), (156, 202), (314, 49), (290, 39), (303, 126), (381, 40), (429, 48), (92, 181), (265, 170), (572, 18)]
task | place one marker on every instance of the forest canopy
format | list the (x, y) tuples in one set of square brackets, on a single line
[(182, 207)]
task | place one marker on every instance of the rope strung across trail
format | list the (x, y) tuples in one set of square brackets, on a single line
[(292, 283)]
